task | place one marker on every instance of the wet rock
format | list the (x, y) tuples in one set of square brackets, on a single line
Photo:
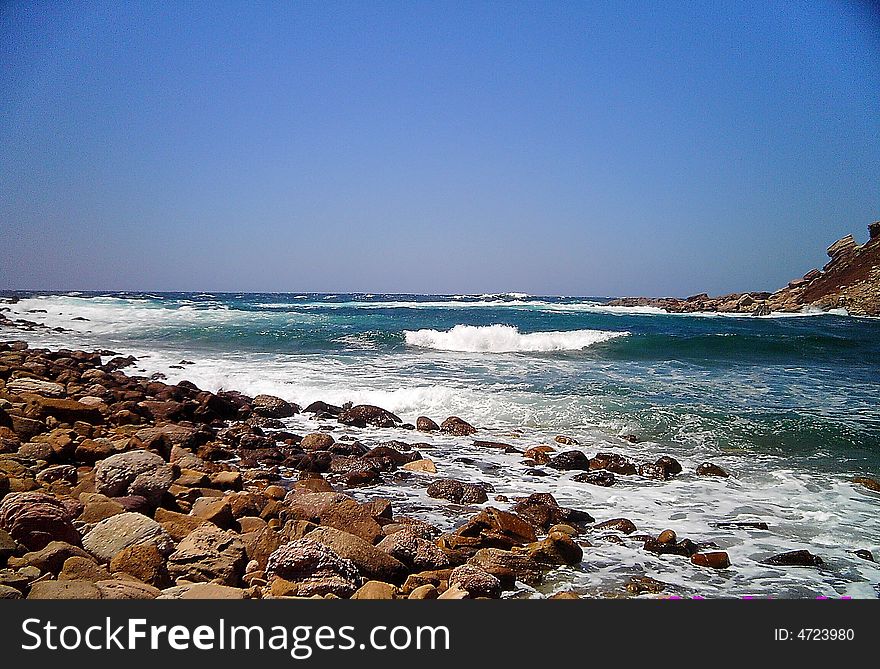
[(458, 427), (614, 463), (708, 469), (425, 424), (557, 548), (624, 525), (414, 551), (508, 566), (745, 525), (475, 581), (865, 554), (640, 585), (869, 483), (366, 414), (654, 471), (540, 455), (543, 511), (685, 547), (800, 558), (492, 528), (138, 473), (424, 466), (667, 537), (113, 534), (34, 519), (315, 569), (457, 492), (569, 460), (317, 441), (270, 406), (715, 560), (8, 592), (323, 408), (566, 441), (670, 465), (601, 477)]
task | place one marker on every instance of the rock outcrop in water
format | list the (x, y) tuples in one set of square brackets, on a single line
[(849, 280)]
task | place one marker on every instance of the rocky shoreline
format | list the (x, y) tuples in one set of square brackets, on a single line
[(115, 486), (850, 280)]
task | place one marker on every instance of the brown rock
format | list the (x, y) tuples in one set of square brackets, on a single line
[(556, 549), (144, 562), (425, 424), (51, 558), (177, 525), (426, 591), (315, 569), (317, 441), (870, 484), (209, 554), (375, 590), (619, 524), (64, 590), (365, 414), (458, 427), (457, 492), (414, 551), (371, 561), (425, 466), (475, 581), (82, 568), (715, 560), (215, 510), (34, 519), (801, 558), (508, 566), (708, 469)]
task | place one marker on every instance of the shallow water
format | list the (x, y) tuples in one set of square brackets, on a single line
[(787, 404)]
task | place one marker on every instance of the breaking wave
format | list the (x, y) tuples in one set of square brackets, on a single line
[(505, 339)]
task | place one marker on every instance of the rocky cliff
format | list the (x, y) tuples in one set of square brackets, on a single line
[(850, 280)]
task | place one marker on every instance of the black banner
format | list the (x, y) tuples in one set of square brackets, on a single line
[(431, 633)]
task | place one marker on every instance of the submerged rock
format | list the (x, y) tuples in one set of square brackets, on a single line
[(800, 558)]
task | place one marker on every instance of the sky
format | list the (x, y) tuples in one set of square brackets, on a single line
[(572, 148)]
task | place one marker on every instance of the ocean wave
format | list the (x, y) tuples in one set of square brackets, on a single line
[(505, 339)]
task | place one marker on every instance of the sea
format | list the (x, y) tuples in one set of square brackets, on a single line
[(788, 404)]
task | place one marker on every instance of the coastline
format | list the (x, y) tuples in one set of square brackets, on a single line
[(119, 486)]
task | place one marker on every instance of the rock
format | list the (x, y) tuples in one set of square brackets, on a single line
[(209, 554), (685, 547), (26, 428), (177, 525), (64, 590), (508, 566), (226, 480), (270, 406), (425, 424), (539, 454), (138, 473), (870, 484), (568, 460), (371, 561), (215, 510), (365, 414), (667, 537), (864, 554), (414, 551), (315, 569), (113, 534), (34, 519), (624, 525), (670, 465), (475, 581), (543, 511), (323, 408), (116, 589), (49, 559), (8, 592), (8, 546), (78, 568), (600, 478), (261, 543), (426, 591), (457, 492), (801, 558), (375, 590), (715, 560), (63, 410), (493, 528), (458, 427), (654, 471), (202, 591), (335, 510), (708, 469), (317, 441), (425, 466), (26, 386), (565, 441), (144, 562), (556, 549), (639, 585)]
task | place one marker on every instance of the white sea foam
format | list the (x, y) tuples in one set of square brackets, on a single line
[(505, 339)]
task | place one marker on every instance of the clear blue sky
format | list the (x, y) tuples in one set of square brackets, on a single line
[(582, 148)]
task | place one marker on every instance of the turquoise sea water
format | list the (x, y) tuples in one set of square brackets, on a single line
[(789, 404)]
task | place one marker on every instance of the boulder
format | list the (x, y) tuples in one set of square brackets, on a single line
[(423, 466), (714, 560), (414, 551), (458, 427), (34, 519), (317, 441), (51, 558), (26, 385), (371, 561), (82, 568), (335, 510), (64, 590), (475, 581), (508, 566), (375, 590), (216, 510), (801, 558), (209, 554), (138, 473), (614, 463), (543, 511), (708, 469), (118, 589), (120, 531), (457, 492), (425, 424), (315, 568), (601, 478), (270, 406), (624, 525), (366, 414), (568, 460), (202, 591), (63, 410), (557, 548), (144, 562)]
